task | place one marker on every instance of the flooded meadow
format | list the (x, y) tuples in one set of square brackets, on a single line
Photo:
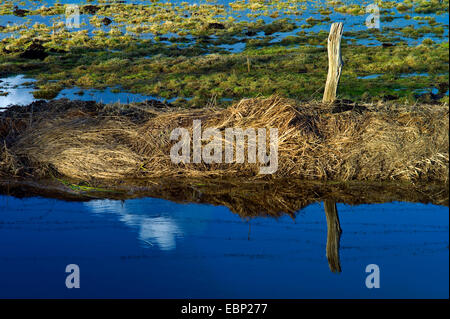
[(92, 92)]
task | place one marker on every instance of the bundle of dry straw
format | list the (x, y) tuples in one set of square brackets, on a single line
[(89, 141)]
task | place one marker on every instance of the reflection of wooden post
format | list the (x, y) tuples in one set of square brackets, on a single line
[(333, 235), (334, 62)]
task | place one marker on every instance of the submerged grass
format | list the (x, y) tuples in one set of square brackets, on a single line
[(284, 68), (92, 142), (178, 50)]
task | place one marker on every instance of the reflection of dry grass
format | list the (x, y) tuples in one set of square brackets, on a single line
[(91, 142), (274, 198), (246, 198)]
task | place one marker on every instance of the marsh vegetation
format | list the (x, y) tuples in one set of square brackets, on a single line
[(211, 60), (219, 52)]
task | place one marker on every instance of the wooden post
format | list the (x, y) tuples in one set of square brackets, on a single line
[(334, 62), (333, 235)]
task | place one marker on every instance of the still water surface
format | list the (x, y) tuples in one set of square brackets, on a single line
[(154, 248)]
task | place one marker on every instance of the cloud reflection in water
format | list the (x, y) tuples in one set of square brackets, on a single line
[(161, 231)]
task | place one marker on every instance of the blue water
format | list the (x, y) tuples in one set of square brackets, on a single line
[(159, 249), (305, 9), (20, 92)]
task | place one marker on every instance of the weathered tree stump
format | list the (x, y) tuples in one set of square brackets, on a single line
[(334, 62), (333, 235)]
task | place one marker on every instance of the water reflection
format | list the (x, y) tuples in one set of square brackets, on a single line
[(105, 96), (18, 90), (333, 235), (161, 231), (274, 199), (218, 239), (14, 91)]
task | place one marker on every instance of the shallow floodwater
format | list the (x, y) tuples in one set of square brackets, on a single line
[(392, 22), (16, 90), (304, 9), (19, 91), (156, 248)]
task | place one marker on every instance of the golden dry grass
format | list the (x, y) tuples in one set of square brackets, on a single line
[(316, 142)]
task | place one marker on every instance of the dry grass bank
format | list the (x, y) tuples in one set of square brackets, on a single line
[(88, 141)]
